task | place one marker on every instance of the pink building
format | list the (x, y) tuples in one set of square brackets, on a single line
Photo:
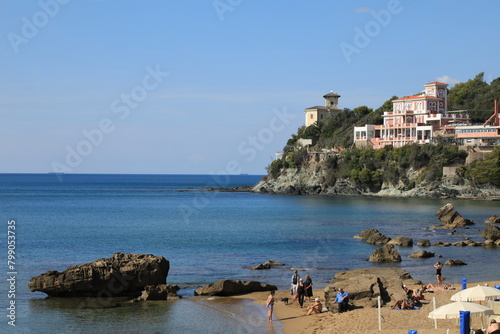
[(413, 119)]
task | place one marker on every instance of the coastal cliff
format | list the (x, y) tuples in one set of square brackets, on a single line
[(315, 178)]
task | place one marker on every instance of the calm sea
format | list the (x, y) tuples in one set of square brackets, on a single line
[(64, 220)]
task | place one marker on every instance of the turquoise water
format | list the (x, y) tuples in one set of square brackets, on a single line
[(206, 236)]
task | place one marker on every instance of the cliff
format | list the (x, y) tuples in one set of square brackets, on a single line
[(313, 179)]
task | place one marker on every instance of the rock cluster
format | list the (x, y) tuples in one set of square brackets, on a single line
[(450, 218), (455, 263), (492, 220), (401, 241), (120, 275), (422, 255), (491, 232), (366, 284), (374, 237), (232, 287), (385, 254), (159, 292), (424, 243)]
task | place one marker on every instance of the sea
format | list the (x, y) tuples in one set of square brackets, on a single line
[(63, 220)]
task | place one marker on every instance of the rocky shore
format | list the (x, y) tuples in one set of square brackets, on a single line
[(311, 180)]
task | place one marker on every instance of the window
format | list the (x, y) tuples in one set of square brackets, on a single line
[(311, 116)]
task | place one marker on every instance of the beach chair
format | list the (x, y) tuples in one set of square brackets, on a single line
[(495, 306)]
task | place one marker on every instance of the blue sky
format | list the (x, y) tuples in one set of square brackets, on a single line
[(212, 86)]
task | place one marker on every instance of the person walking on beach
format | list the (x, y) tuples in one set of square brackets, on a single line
[(438, 267), (301, 291), (295, 283), (309, 287), (270, 306)]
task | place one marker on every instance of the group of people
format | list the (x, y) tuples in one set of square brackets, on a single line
[(411, 300), (301, 289)]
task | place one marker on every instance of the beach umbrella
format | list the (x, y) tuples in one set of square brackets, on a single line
[(476, 293), (452, 310)]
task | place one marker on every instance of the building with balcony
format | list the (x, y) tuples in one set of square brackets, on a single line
[(413, 119)]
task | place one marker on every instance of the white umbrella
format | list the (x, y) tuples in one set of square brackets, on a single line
[(476, 293), (452, 311)]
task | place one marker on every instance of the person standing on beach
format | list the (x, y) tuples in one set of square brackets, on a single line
[(270, 306), (301, 291), (295, 283), (438, 267), (309, 287)]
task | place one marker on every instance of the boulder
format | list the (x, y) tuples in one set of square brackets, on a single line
[(492, 220), (460, 243), (159, 292), (423, 243), (450, 218), (421, 255), (401, 241), (364, 285), (120, 275), (374, 237), (455, 263), (261, 266), (232, 287), (385, 254), (491, 232)]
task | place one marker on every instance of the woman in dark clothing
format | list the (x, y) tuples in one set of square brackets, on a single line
[(309, 287), (301, 291), (438, 267)]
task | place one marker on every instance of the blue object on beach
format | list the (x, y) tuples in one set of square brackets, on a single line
[(464, 322), (497, 286), (412, 331), (464, 283)]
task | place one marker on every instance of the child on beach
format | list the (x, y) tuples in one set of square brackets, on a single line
[(270, 306)]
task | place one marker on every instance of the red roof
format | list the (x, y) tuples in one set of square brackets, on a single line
[(436, 83), (415, 97)]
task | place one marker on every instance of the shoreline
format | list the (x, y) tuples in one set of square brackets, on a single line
[(365, 320)]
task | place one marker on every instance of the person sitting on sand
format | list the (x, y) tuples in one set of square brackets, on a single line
[(342, 299), (316, 307), (404, 304), (493, 328)]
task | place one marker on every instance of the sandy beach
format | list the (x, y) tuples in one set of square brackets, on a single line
[(365, 320)]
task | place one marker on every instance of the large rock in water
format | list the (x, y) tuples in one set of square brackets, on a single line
[(385, 254), (374, 237), (492, 220), (120, 275), (366, 284), (450, 218), (401, 241), (491, 232), (232, 287)]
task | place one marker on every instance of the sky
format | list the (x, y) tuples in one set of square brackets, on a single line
[(213, 86)]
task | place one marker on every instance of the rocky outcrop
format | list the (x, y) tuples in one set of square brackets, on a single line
[(267, 265), (421, 255), (159, 292), (385, 254), (366, 284), (232, 287), (450, 218), (424, 243), (401, 241), (313, 179), (455, 263), (120, 275), (491, 232), (492, 220), (374, 237)]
